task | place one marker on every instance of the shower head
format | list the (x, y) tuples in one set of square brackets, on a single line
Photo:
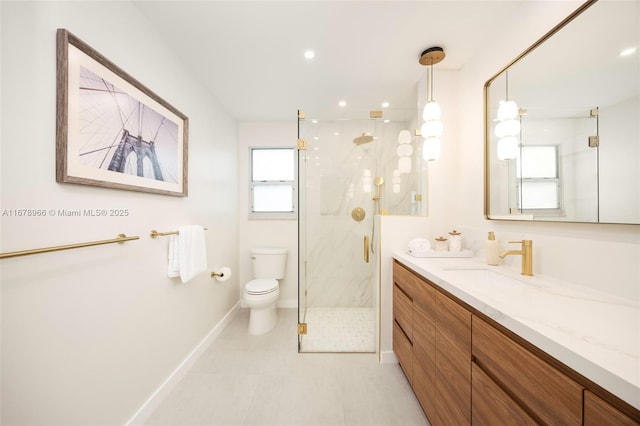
[(361, 140)]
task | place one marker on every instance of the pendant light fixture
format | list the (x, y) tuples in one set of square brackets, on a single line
[(508, 127), (432, 127)]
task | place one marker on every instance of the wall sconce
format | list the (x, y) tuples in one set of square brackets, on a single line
[(508, 126), (432, 127)]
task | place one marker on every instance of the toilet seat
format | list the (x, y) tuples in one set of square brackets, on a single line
[(261, 286)]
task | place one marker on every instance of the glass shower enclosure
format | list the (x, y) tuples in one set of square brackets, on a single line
[(349, 174)]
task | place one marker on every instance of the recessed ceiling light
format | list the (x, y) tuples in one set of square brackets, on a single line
[(309, 54), (385, 105), (342, 103), (629, 51)]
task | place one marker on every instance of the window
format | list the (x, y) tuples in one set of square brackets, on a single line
[(538, 178), (273, 183)]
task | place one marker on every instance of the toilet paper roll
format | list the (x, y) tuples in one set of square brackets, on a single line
[(223, 274)]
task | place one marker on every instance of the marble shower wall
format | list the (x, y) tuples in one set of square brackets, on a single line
[(339, 177)]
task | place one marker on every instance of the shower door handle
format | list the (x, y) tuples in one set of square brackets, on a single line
[(366, 249)]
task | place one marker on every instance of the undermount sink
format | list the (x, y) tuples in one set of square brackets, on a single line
[(482, 276)]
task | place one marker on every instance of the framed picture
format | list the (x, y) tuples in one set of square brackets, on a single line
[(112, 131)]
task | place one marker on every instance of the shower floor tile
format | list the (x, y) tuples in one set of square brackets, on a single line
[(339, 330)]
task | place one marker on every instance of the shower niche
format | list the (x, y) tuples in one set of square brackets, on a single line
[(350, 172)]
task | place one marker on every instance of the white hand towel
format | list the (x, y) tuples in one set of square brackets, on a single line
[(192, 251), (187, 256), (173, 266), (419, 245)]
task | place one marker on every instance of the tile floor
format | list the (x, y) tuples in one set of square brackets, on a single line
[(263, 380), (339, 330)]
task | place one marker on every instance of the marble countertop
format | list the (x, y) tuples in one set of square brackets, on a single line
[(594, 333)]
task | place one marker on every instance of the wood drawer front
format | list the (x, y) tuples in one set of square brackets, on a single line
[(424, 387), (491, 405), (424, 362), (403, 311), (424, 343), (404, 351), (551, 395), (598, 412), (424, 297), (453, 363), (453, 332), (404, 278)]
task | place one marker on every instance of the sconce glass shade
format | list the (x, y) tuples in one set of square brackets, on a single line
[(404, 164), (431, 128), (404, 150), (404, 137), (431, 111), (507, 110), (508, 128), (507, 148), (431, 149)]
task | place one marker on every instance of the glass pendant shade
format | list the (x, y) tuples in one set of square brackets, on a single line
[(507, 128), (404, 137), (431, 128), (507, 110), (404, 164), (431, 111), (507, 148), (404, 150), (431, 149)]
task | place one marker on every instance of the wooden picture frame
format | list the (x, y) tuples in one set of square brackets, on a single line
[(111, 130)]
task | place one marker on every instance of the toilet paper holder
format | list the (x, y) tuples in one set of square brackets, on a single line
[(222, 275)]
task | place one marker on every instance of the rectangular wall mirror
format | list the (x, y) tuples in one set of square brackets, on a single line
[(562, 122)]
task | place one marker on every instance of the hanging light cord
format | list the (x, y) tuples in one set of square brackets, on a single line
[(506, 78), (431, 80)]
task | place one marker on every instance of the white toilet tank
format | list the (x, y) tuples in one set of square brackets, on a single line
[(269, 262)]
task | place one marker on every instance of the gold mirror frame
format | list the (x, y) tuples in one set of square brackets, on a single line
[(488, 125)]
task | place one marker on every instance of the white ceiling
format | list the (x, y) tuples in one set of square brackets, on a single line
[(250, 54)]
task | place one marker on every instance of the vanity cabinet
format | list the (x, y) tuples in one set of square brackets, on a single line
[(598, 412), (543, 391), (465, 368), (492, 405), (453, 362), (438, 337)]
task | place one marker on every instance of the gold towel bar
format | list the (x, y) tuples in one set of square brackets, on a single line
[(119, 239), (154, 233)]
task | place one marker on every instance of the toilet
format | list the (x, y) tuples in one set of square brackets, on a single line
[(261, 293)]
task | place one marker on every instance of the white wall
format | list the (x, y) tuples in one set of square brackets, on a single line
[(266, 233), (89, 334)]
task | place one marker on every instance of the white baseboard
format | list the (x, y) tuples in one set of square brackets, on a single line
[(388, 357), (145, 411)]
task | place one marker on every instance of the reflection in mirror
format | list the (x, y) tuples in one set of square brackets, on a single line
[(575, 151)]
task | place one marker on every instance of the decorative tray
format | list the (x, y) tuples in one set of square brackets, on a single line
[(433, 253)]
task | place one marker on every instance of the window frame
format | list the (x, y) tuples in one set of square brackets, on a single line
[(274, 215), (520, 181)]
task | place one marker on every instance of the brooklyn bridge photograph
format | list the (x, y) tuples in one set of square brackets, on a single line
[(112, 131), (121, 134)]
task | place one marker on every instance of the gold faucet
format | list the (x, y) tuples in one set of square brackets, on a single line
[(526, 253)]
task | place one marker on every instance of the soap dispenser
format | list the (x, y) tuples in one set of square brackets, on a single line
[(492, 250)]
